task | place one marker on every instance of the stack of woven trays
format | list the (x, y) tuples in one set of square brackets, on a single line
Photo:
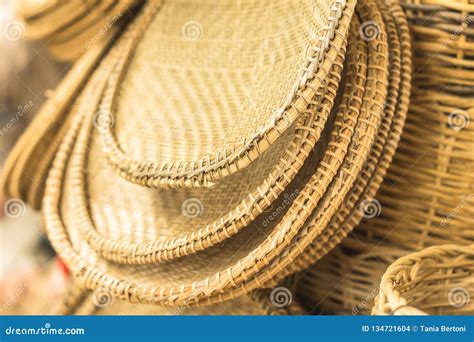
[(427, 198), (71, 27), (217, 148)]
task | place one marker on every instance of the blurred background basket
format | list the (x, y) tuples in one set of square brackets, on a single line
[(437, 280), (69, 28)]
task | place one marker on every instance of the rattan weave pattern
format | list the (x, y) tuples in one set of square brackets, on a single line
[(25, 171)]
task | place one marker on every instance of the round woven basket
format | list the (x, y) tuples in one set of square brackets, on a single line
[(70, 28), (395, 109), (435, 281), (202, 283), (426, 198)]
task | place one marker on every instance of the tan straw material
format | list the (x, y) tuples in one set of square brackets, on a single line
[(395, 107), (197, 270), (213, 210), (219, 147), (444, 43), (194, 128), (436, 281)]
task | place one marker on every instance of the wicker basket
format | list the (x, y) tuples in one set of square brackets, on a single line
[(426, 198), (437, 281), (395, 108), (72, 27), (443, 44)]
